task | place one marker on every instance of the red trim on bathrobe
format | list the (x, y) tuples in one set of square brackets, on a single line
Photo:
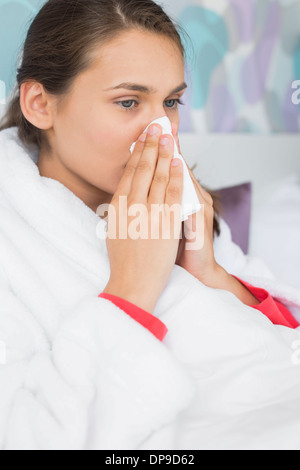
[(272, 308), (149, 321)]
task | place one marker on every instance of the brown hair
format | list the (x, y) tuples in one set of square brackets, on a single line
[(60, 43)]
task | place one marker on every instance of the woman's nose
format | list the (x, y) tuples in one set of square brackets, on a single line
[(154, 117)]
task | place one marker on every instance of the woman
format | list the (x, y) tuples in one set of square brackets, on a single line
[(78, 372)]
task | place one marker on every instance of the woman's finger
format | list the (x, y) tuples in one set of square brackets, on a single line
[(174, 190), (161, 177), (144, 172), (205, 196), (124, 186)]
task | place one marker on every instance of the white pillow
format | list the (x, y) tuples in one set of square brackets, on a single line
[(275, 231)]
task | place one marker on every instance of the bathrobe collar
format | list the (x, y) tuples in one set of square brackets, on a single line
[(49, 207)]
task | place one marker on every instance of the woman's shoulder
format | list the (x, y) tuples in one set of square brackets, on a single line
[(10, 133)]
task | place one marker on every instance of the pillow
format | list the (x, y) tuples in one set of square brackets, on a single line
[(235, 202)]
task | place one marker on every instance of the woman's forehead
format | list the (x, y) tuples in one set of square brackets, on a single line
[(131, 49)]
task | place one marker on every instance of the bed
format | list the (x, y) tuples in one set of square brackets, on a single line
[(262, 173)]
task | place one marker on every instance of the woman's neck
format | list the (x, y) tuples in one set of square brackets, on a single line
[(92, 196)]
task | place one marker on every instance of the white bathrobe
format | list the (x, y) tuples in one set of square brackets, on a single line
[(76, 372)]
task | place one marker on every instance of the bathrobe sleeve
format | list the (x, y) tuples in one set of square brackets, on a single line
[(96, 380), (153, 324), (274, 310), (231, 257), (270, 307)]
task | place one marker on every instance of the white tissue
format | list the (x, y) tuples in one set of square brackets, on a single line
[(190, 202)]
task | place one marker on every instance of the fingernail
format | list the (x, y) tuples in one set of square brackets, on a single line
[(176, 162), (164, 141), (143, 138), (153, 130)]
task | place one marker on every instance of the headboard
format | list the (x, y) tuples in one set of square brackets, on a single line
[(225, 160)]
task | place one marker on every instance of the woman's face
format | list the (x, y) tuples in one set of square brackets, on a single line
[(94, 126)]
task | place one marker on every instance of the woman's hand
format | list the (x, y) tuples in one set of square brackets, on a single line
[(141, 266), (201, 262)]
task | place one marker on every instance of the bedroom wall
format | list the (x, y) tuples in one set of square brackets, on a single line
[(245, 57)]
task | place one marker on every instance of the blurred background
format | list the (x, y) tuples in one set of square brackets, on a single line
[(244, 58), (239, 127)]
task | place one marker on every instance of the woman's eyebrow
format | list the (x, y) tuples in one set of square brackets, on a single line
[(144, 89)]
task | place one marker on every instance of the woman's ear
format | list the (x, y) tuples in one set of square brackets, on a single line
[(36, 105)]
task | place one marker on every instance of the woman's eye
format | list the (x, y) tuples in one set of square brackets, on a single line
[(124, 104), (176, 103), (127, 108)]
